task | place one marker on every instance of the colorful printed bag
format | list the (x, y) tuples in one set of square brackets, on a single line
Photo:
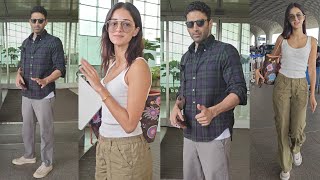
[(149, 119), (150, 116), (270, 67)]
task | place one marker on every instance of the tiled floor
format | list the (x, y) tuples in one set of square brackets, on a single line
[(264, 161), (66, 135), (171, 154)]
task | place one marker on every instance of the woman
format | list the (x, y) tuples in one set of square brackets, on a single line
[(122, 152), (290, 93)]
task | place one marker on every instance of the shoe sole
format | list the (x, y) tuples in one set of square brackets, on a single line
[(297, 164), (284, 178), (38, 177), (28, 162)]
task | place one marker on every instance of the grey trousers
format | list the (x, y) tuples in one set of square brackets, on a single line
[(43, 111), (206, 160)]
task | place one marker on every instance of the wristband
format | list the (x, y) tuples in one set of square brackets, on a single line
[(106, 97)]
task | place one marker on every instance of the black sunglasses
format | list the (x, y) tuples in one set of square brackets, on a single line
[(40, 21), (199, 23)]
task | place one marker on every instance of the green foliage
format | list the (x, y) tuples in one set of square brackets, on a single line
[(150, 45), (174, 70), (155, 71), (12, 52)]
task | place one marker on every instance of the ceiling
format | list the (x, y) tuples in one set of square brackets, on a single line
[(268, 16), (263, 15), (58, 10), (229, 10)]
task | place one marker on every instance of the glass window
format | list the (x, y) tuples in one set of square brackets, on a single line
[(102, 14), (99, 30), (104, 4), (89, 2), (151, 9), (87, 13), (139, 5), (151, 22), (87, 28)]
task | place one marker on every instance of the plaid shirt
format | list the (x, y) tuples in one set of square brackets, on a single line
[(39, 59), (210, 74)]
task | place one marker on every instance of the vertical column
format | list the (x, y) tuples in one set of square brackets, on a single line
[(69, 52), (269, 37), (240, 38), (66, 49), (7, 53), (257, 41), (1, 46), (167, 72), (219, 30)]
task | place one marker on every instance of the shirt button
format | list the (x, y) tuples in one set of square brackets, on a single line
[(192, 89), (30, 65), (31, 57), (30, 72), (193, 77), (193, 102)]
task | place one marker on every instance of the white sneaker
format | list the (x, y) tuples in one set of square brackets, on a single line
[(22, 160), (42, 171), (297, 159), (284, 175)]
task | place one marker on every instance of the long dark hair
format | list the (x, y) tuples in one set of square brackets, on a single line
[(287, 30), (135, 48)]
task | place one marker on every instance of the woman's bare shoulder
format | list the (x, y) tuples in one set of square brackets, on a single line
[(139, 63)]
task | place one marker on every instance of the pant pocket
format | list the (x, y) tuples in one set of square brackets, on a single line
[(122, 155)]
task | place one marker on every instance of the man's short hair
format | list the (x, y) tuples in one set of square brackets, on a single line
[(39, 9), (198, 6)]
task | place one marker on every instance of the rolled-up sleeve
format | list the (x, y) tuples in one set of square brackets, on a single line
[(58, 56), (233, 74)]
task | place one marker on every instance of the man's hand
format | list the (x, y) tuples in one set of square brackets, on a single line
[(20, 82), (176, 112), (41, 82), (206, 115)]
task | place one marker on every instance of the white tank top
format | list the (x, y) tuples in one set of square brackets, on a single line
[(294, 61), (118, 89)]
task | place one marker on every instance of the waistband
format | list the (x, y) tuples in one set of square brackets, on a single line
[(294, 79), (123, 140)]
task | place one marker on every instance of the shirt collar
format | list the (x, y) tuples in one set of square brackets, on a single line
[(41, 36), (202, 45)]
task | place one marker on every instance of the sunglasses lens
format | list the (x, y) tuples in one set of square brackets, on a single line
[(189, 24), (293, 17), (40, 21), (200, 23), (299, 16), (126, 26)]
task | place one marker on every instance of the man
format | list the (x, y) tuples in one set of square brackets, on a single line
[(42, 62), (212, 84)]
